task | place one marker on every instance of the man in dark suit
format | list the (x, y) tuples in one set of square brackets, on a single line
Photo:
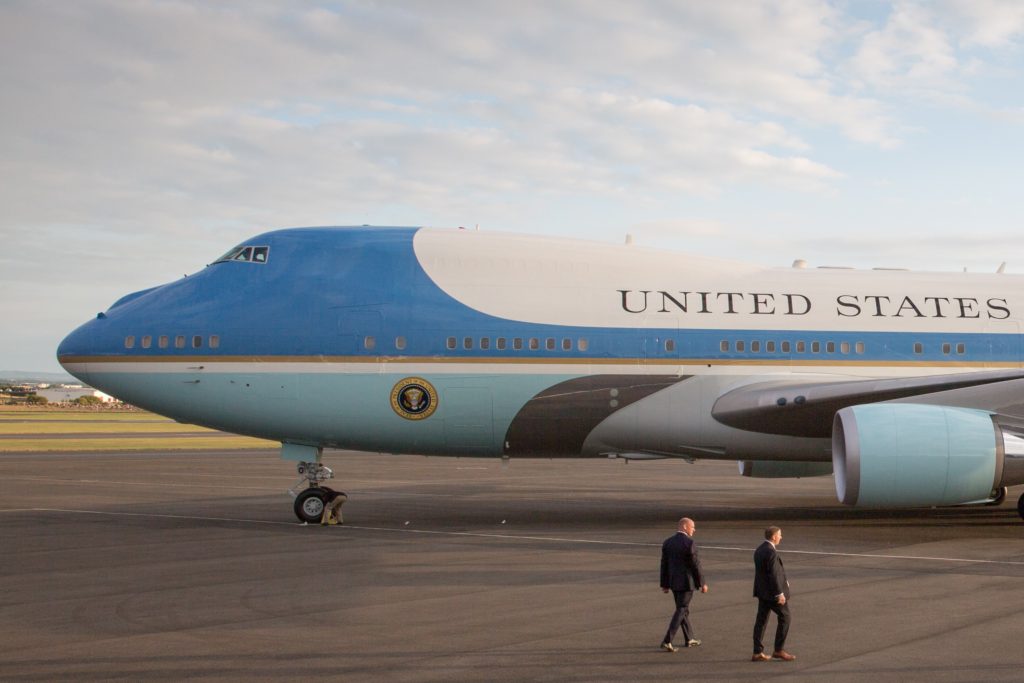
[(772, 592), (681, 574)]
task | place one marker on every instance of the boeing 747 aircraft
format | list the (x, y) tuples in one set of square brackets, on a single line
[(908, 386)]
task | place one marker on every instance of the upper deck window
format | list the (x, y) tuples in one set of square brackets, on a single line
[(246, 254)]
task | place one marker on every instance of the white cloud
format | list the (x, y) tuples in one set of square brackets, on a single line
[(989, 23), (910, 51)]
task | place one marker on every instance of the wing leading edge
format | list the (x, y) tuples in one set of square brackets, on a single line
[(806, 409)]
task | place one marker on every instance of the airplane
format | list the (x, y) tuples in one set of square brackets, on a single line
[(907, 387)]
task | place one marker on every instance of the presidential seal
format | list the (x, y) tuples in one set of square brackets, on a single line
[(414, 398)]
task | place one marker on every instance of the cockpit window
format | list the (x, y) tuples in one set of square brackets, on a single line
[(247, 254)]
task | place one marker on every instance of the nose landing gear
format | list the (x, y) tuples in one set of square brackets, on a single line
[(310, 502)]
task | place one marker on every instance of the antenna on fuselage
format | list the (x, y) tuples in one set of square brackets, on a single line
[(1001, 268)]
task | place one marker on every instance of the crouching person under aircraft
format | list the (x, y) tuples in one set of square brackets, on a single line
[(332, 507)]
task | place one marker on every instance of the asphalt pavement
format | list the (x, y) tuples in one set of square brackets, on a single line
[(166, 566)]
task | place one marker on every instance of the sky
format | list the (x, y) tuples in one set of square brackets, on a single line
[(141, 140)]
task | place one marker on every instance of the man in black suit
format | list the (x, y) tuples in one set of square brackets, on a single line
[(681, 574), (772, 592)]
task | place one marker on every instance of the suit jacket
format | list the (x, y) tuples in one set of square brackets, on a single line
[(680, 566), (769, 574)]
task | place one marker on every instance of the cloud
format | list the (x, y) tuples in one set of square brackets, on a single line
[(988, 23), (910, 51), (173, 109)]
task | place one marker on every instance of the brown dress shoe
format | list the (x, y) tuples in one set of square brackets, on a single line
[(783, 655), (760, 657)]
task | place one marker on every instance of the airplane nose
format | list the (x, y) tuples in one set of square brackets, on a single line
[(73, 352)]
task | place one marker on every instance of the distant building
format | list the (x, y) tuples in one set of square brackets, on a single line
[(68, 394)]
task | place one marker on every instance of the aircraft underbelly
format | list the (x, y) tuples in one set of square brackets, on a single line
[(521, 415)]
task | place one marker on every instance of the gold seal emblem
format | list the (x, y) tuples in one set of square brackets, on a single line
[(414, 398)]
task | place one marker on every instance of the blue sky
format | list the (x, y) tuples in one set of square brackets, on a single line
[(140, 140)]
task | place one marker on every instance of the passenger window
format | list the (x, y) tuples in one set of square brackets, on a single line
[(815, 347), (567, 344), (197, 341), (582, 344), (960, 349), (801, 347), (485, 343), (369, 343), (162, 342), (918, 348), (945, 347), (859, 347), (830, 347), (723, 345), (400, 343), (214, 341), (534, 343), (670, 345), (500, 344), (755, 347), (517, 343), (740, 346), (786, 347), (147, 341), (467, 343), (450, 343), (549, 344), (844, 347), (129, 342), (769, 347), (179, 341)]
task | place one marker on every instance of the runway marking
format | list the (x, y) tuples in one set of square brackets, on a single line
[(515, 537), (197, 485), (157, 515)]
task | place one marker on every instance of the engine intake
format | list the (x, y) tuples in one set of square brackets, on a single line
[(912, 455)]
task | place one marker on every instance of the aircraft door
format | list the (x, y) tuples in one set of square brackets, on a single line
[(360, 332), (1004, 344)]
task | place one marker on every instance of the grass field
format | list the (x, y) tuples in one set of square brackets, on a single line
[(33, 429)]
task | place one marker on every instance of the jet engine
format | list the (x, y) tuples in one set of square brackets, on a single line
[(913, 455)]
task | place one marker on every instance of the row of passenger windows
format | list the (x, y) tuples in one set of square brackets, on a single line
[(518, 343), (180, 341), (947, 348), (740, 346)]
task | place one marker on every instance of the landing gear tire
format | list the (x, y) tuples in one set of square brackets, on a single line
[(999, 497), (309, 505), (1020, 506)]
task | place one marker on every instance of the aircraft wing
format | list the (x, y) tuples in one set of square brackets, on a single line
[(807, 409)]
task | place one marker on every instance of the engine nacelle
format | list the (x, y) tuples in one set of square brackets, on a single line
[(780, 469), (911, 455)]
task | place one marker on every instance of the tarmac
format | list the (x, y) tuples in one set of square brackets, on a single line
[(166, 566)]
